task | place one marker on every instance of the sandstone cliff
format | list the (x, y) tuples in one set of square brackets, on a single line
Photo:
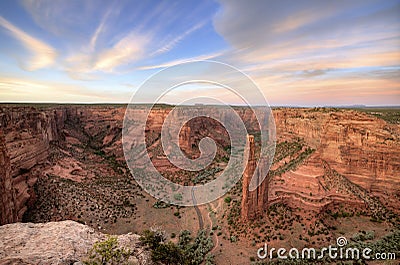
[(65, 242), (363, 148), (25, 134), (353, 152), (254, 203), (7, 208)]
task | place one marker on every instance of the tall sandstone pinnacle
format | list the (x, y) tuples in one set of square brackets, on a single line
[(255, 202)]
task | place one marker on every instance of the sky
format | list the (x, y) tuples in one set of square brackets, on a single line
[(299, 53)]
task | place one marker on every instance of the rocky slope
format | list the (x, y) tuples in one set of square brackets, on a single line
[(65, 242)]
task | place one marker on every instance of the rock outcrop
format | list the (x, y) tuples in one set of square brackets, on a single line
[(65, 242), (254, 203)]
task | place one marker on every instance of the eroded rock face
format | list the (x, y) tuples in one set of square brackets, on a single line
[(355, 160), (363, 148), (25, 134), (65, 242), (7, 209)]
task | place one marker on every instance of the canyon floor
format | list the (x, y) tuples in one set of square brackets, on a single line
[(336, 172)]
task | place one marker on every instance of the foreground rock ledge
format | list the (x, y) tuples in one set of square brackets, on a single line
[(65, 242)]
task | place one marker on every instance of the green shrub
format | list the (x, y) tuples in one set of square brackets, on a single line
[(210, 259), (178, 196), (188, 251), (168, 253), (152, 238), (107, 252), (228, 199)]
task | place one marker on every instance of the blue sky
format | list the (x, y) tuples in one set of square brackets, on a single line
[(308, 53)]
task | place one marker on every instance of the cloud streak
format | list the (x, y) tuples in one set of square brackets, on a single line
[(179, 61), (43, 55), (127, 50), (171, 44), (304, 49)]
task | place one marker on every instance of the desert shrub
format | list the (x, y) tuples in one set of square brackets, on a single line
[(184, 238), (363, 235), (152, 238), (178, 196), (107, 252), (195, 251), (188, 251), (210, 259), (168, 253), (228, 199)]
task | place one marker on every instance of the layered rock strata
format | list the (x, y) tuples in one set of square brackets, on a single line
[(25, 134)]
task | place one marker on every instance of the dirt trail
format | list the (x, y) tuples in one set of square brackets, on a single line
[(199, 216), (211, 223)]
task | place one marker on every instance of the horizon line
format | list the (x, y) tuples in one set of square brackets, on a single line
[(169, 104)]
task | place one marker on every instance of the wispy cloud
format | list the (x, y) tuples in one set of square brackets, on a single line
[(98, 31), (172, 43), (175, 62), (311, 49), (64, 19), (43, 55), (124, 34), (296, 51), (84, 57), (129, 49)]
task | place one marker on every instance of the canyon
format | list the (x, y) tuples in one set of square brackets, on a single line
[(66, 162), (365, 149)]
